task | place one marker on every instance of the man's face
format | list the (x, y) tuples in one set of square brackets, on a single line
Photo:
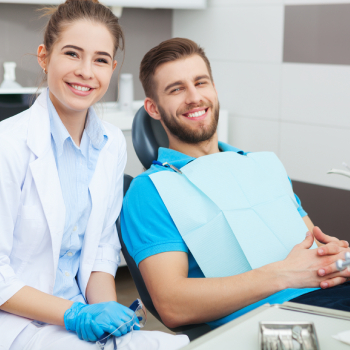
[(187, 99)]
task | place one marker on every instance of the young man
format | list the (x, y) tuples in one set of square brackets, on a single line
[(220, 231)]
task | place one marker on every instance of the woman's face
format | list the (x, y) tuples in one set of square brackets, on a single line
[(80, 66)]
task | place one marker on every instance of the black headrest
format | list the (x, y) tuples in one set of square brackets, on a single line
[(148, 135)]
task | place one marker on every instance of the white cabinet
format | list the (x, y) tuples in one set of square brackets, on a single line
[(167, 4)]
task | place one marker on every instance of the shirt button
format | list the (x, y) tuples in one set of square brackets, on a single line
[(70, 254), (67, 273), (75, 228)]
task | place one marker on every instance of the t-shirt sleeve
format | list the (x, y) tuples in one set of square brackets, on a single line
[(146, 225), (301, 211)]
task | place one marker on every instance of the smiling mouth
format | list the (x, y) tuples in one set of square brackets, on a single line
[(196, 114), (79, 88)]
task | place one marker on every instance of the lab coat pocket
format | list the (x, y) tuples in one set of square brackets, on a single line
[(29, 230)]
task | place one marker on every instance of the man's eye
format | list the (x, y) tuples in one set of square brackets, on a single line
[(175, 90), (71, 53), (201, 83)]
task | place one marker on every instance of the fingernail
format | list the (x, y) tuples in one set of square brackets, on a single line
[(320, 251), (308, 233), (321, 272), (347, 242), (324, 285)]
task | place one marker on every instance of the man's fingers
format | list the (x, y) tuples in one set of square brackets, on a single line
[(332, 271), (323, 238), (332, 282), (344, 244), (307, 242), (324, 271), (329, 249)]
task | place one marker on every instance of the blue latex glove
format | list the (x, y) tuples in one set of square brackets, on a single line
[(91, 322)]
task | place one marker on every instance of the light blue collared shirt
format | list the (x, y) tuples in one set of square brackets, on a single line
[(75, 166)]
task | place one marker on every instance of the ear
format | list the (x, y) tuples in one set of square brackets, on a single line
[(42, 56), (114, 66), (151, 108)]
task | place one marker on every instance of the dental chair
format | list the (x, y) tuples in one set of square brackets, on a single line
[(147, 136)]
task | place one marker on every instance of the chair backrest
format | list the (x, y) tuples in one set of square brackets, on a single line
[(148, 135), (139, 282), (135, 272)]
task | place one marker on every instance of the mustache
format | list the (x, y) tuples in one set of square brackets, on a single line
[(200, 105)]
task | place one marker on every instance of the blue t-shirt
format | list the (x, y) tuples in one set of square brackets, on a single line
[(148, 228)]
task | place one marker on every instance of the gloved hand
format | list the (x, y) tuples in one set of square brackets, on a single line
[(91, 322)]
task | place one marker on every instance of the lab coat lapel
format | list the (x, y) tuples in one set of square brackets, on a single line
[(98, 187), (45, 173)]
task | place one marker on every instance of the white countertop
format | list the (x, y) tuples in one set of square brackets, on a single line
[(110, 112)]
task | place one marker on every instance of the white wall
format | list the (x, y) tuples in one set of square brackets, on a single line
[(299, 111)]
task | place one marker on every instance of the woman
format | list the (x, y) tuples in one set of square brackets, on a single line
[(61, 182)]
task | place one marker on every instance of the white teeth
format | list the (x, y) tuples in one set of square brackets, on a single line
[(80, 88), (196, 114)]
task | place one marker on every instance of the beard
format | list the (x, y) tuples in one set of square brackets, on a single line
[(189, 135)]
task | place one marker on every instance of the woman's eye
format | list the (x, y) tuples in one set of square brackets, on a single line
[(102, 60), (71, 53)]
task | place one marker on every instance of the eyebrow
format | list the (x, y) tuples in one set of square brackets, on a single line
[(82, 50), (179, 82)]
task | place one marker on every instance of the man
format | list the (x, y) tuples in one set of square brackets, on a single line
[(216, 231)]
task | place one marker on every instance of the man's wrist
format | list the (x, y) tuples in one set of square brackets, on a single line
[(276, 276)]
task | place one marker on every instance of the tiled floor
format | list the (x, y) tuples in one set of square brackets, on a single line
[(127, 293)]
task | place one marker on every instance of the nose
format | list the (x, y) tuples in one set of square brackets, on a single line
[(192, 95), (85, 70)]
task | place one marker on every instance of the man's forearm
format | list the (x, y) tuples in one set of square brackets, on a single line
[(101, 288), (198, 300), (181, 300)]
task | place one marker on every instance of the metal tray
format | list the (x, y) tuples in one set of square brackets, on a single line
[(278, 336)]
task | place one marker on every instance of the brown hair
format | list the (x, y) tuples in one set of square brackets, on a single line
[(74, 10), (167, 51)]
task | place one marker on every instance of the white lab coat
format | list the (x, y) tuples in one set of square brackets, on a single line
[(32, 210)]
